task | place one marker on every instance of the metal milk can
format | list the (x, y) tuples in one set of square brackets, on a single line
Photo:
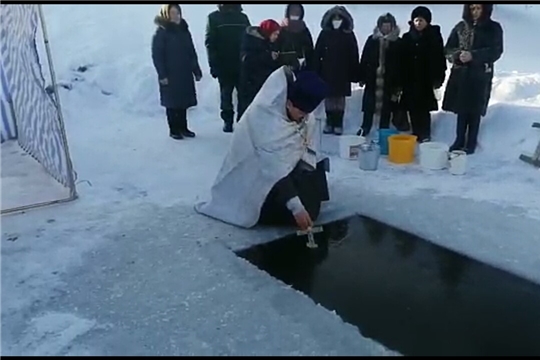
[(368, 157)]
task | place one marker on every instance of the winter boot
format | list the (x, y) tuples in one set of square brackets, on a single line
[(174, 126), (338, 124), (472, 134), (184, 131), (461, 130), (227, 117), (330, 120)]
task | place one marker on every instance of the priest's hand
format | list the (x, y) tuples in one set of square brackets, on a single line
[(303, 220)]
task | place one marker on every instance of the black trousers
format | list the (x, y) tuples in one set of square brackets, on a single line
[(384, 122), (177, 120), (421, 124), (467, 129), (312, 189), (245, 98), (226, 90)]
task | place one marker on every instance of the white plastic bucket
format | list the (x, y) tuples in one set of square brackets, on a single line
[(349, 146), (433, 155), (458, 162)]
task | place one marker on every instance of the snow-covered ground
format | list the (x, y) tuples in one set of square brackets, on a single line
[(130, 268)]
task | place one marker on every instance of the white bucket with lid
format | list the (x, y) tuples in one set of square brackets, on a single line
[(349, 146), (458, 162), (434, 155)]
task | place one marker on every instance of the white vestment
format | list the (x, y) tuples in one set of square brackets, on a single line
[(265, 147)]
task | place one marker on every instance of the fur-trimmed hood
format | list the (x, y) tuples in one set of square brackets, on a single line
[(487, 11), (348, 21), (385, 19), (392, 36)]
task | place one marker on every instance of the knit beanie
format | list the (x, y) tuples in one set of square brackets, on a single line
[(307, 91), (268, 27), (423, 12)]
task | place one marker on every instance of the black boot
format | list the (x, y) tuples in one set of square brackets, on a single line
[(227, 117), (330, 120), (182, 116), (461, 130), (472, 134), (338, 123), (172, 120)]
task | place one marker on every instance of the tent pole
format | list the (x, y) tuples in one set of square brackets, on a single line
[(71, 180)]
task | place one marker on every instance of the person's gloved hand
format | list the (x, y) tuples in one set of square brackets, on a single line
[(213, 73)]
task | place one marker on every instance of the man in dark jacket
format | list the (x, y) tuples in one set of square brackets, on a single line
[(424, 71), (474, 45), (259, 58), (295, 43), (224, 32)]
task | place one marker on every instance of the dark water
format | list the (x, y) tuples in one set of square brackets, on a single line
[(406, 293)]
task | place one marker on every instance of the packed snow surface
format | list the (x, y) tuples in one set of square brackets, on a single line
[(130, 269)]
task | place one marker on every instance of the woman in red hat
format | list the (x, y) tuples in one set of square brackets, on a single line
[(259, 59)]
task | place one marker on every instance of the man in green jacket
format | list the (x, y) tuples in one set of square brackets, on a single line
[(224, 32)]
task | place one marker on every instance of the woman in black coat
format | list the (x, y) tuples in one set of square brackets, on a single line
[(381, 72), (176, 63), (295, 42), (424, 71), (474, 45), (336, 60), (259, 59)]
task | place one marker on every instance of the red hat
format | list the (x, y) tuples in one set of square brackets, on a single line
[(268, 27)]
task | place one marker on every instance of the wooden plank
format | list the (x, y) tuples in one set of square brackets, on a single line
[(533, 160), (530, 160)]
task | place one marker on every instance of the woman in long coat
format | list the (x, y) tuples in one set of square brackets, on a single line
[(177, 66), (474, 45), (381, 72), (424, 71), (336, 60)]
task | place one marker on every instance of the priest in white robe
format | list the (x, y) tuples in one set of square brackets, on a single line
[(272, 173)]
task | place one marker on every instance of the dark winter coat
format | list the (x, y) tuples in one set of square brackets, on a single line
[(424, 68), (295, 41), (257, 62), (469, 87), (225, 30), (336, 54), (381, 71), (175, 59)]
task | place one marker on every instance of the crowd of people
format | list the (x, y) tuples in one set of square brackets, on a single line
[(273, 172), (400, 74)]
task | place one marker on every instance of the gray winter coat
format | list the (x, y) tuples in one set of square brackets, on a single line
[(175, 59)]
